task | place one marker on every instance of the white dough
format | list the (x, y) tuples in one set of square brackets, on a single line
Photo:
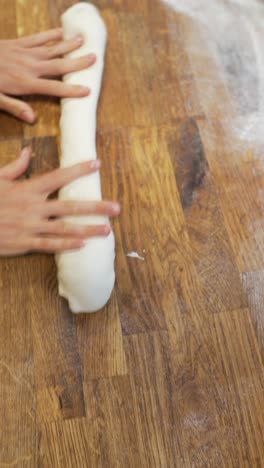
[(86, 277)]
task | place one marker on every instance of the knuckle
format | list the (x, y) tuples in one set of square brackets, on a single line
[(61, 66), (42, 53), (65, 207), (81, 230), (53, 208), (94, 207), (71, 229), (34, 86), (56, 87), (36, 67), (40, 60), (62, 227), (73, 207), (66, 244), (37, 244), (84, 229), (57, 66), (49, 51), (46, 244), (61, 244)]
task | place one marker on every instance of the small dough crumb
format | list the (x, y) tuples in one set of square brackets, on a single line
[(135, 255)]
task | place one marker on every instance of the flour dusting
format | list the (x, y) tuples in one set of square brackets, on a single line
[(135, 255), (233, 37)]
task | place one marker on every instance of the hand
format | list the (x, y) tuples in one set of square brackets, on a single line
[(31, 222), (26, 63)]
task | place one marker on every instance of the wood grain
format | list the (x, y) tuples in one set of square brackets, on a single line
[(56, 9), (170, 373), (46, 108), (212, 253), (123, 103), (9, 126), (101, 343), (18, 435), (58, 371), (253, 284)]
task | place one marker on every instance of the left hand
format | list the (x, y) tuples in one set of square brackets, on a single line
[(31, 221), (28, 62)]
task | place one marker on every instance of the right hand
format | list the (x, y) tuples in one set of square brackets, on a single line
[(29, 221)]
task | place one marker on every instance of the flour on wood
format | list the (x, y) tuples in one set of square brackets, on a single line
[(135, 255), (233, 35)]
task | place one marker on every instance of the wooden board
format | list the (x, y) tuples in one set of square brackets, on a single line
[(171, 373)]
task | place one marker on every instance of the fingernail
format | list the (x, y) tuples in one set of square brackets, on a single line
[(104, 230), (79, 39), (80, 244), (115, 207), (84, 90), (91, 57), (107, 230), (95, 164), (28, 116)]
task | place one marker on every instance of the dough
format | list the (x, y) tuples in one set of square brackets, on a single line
[(86, 277)]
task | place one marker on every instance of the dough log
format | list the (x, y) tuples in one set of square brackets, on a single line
[(86, 277)]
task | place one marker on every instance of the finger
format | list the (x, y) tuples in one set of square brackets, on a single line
[(58, 178), (62, 229), (14, 246), (59, 49), (18, 167), (59, 67), (41, 38), (57, 88), (81, 208), (52, 245), (18, 108)]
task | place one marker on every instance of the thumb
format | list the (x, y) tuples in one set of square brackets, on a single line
[(16, 168), (18, 108)]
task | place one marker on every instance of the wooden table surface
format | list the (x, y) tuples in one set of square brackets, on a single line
[(170, 374)]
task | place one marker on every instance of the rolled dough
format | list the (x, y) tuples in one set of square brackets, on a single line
[(86, 277)]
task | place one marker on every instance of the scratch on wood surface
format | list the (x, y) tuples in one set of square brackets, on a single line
[(20, 381)]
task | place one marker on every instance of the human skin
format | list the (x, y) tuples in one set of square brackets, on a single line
[(30, 221), (28, 65)]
